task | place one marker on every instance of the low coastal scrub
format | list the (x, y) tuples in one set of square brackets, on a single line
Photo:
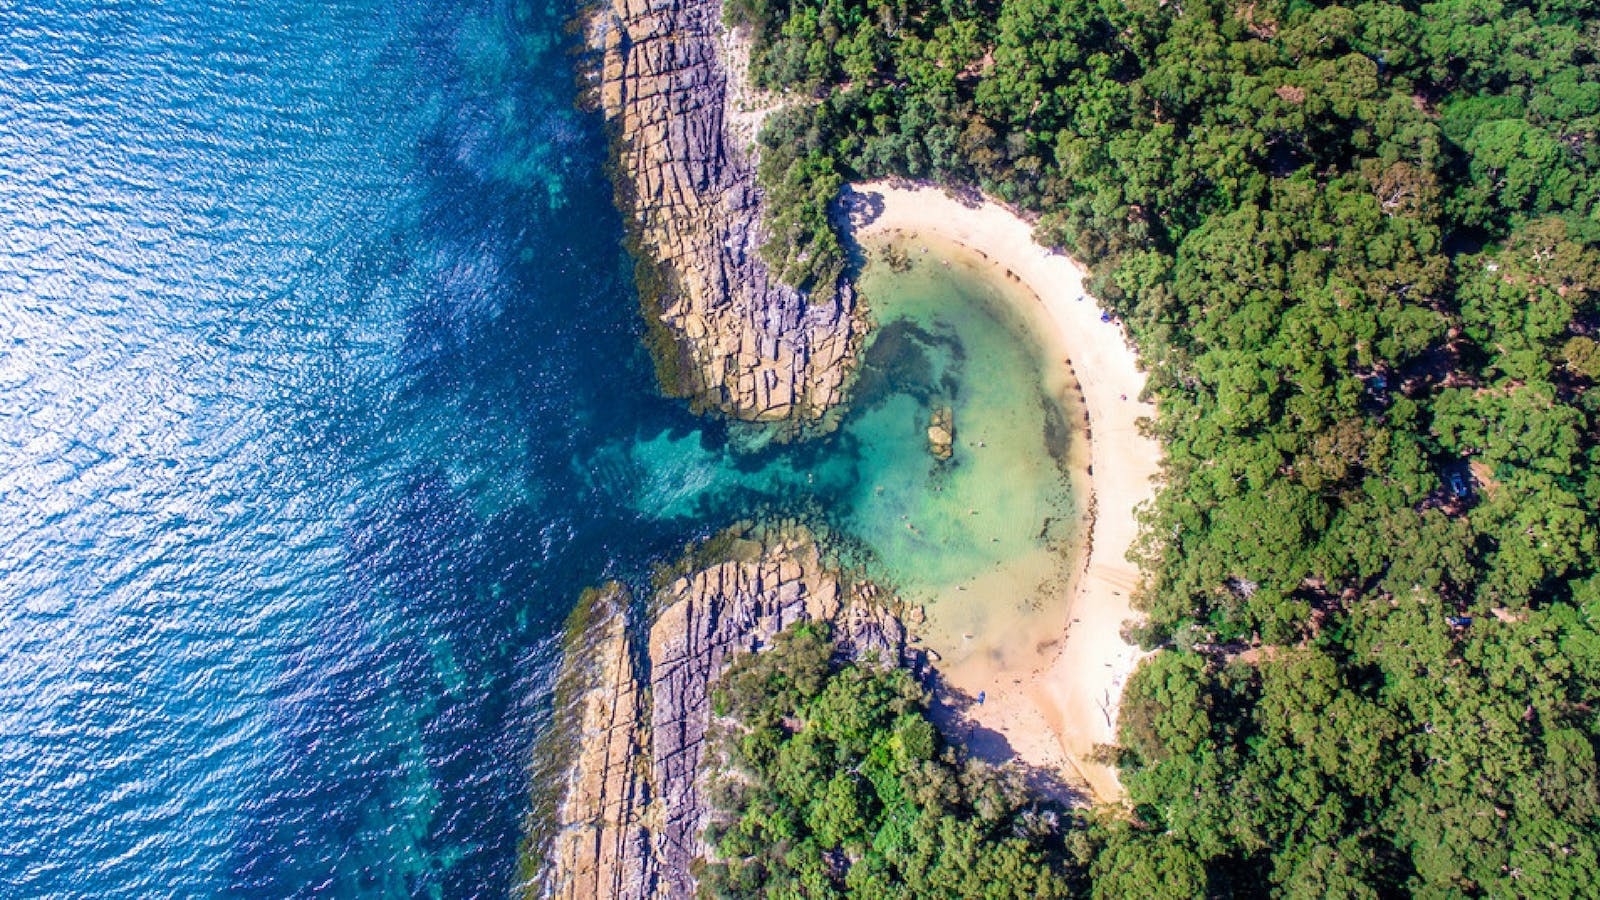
[(1358, 246), (830, 781)]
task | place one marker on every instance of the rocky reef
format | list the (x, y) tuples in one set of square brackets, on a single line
[(631, 816), (724, 330)]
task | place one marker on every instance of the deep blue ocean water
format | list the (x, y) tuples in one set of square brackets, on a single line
[(321, 398), (311, 314)]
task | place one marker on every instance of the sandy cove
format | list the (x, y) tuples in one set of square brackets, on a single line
[(1068, 701)]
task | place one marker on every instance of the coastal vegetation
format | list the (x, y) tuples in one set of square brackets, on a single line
[(832, 782), (1358, 247)]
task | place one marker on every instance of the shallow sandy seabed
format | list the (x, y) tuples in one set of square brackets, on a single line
[(1051, 675)]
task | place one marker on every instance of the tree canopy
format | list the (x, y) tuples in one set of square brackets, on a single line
[(830, 781), (1358, 246)]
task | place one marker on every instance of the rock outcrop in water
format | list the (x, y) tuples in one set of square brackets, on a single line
[(725, 331), (632, 815), (942, 433)]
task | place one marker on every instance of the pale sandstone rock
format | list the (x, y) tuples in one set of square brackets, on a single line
[(602, 845), (750, 346)]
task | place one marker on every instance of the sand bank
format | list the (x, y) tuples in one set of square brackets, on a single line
[(1052, 706)]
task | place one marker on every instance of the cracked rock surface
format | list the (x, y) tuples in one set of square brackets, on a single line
[(739, 340)]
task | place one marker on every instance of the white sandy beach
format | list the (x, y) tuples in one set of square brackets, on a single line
[(1068, 695)]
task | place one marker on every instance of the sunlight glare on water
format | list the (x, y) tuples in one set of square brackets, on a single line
[(283, 378), (318, 414)]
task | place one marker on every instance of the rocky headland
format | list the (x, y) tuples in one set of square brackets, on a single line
[(631, 814), (724, 330)]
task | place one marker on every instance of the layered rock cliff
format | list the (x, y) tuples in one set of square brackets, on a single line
[(632, 816), (725, 331)]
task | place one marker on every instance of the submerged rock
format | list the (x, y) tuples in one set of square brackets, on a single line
[(725, 331), (632, 816)]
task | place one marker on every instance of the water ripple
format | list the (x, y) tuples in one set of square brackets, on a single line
[(290, 310)]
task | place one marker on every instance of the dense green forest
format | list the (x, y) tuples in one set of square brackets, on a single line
[(834, 783), (1357, 248)]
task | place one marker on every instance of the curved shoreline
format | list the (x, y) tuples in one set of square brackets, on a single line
[(1077, 696)]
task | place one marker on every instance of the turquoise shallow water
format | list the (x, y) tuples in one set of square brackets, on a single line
[(323, 398), (949, 337)]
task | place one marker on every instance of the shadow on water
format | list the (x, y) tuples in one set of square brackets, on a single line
[(404, 719)]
